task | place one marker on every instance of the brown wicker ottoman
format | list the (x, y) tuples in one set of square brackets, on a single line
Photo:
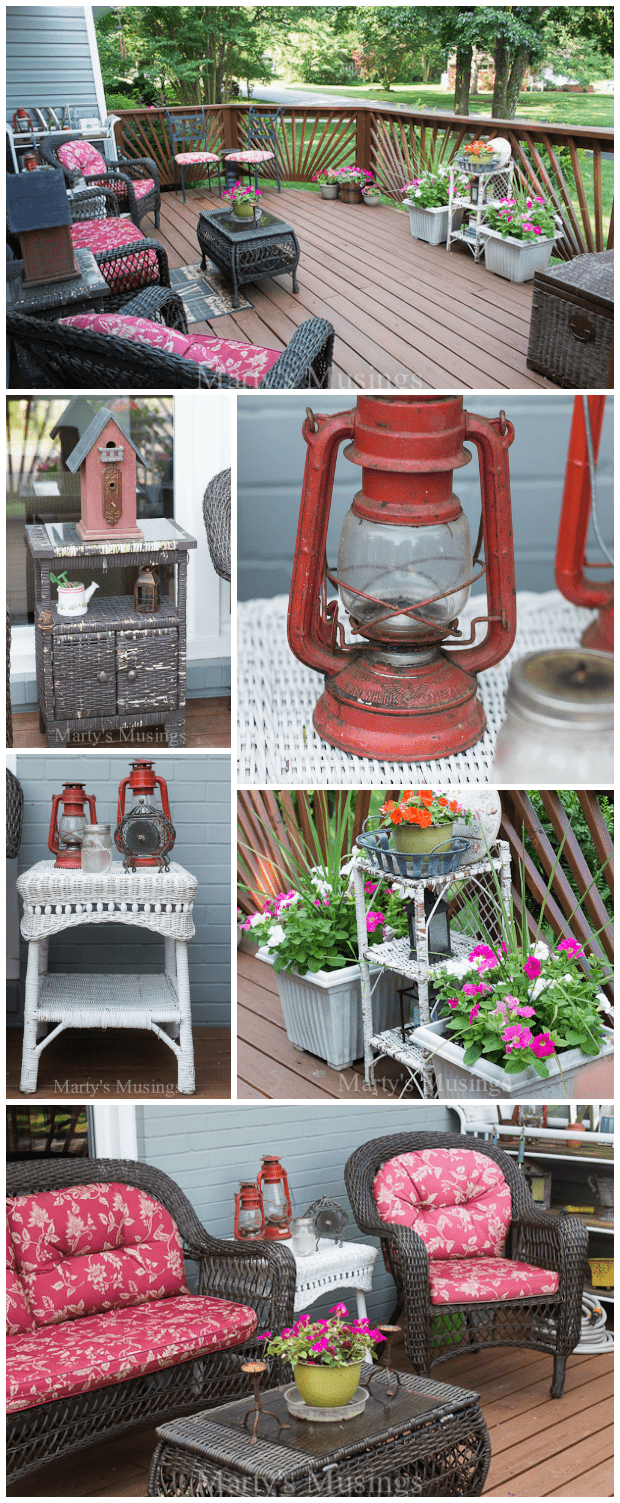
[(428, 1439), (572, 324)]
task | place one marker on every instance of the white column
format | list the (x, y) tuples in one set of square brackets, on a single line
[(115, 1130)]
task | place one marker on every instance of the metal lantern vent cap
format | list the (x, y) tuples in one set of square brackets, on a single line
[(570, 685)]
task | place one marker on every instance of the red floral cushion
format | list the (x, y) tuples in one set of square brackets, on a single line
[(459, 1280), (82, 156), (105, 234), (18, 1313), (102, 1349), (250, 156), (141, 186), (248, 362), (93, 1248), (185, 158), (457, 1200)]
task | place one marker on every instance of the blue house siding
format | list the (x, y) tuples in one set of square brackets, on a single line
[(207, 1149), (48, 58), (199, 792), (271, 456)]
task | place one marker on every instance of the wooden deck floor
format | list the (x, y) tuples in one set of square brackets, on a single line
[(270, 1068), (406, 314), (207, 723), (540, 1447), (124, 1065)]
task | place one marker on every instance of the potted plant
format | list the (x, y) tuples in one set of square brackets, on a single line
[(520, 1015), (245, 200), (478, 156), (519, 236), (371, 195), (421, 819), (351, 180), (328, 182), (426, 201), (326, 1355), (309, 935)]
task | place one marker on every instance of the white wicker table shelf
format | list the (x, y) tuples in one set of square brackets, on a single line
[(277, 742), (332, 1267), (395, 954), (499, 181), (55, 900)]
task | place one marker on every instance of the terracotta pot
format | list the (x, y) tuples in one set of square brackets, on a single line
[(350, 194), (415, 839), (327, 1387)]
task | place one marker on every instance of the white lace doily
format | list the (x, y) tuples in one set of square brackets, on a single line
[(277, 742)]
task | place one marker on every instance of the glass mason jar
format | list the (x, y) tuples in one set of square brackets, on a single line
[(97, 850), (303, 1236), (558, 730), (404, 566)]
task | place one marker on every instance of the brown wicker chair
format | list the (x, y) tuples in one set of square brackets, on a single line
[(262, 1276), (433, 1333), (120, 176), (216, 513)]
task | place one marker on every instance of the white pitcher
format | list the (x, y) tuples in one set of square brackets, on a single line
[(73, 598)]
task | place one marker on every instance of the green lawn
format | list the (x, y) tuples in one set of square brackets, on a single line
[(558, 109)]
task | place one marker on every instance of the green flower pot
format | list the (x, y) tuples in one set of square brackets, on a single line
[(415, 840), (327, 1387), (243, 208)]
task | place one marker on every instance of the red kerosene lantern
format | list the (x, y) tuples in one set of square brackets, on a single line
[(405, 567), (249, 1215), (277, 1208), (65, 837), (145, 834), (570, 556)]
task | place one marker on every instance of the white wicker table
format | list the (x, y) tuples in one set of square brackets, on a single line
[(277, 742), (395, 954), (332, 1267), (54, 900)]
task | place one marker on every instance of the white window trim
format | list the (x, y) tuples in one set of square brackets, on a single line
[(115, 1130)]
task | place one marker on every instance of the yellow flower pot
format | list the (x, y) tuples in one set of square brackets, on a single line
[(243, 208), (417, 840), (327, 1387)]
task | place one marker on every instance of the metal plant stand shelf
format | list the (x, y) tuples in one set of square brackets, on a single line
[(394, 955), (427, 1439), (112, 668), (245, 251), (499, 181), (55, 900)]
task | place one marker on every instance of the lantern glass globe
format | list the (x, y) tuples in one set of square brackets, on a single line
[(404, 566)]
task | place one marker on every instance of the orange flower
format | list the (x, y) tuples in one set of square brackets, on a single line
[(411, 815), (442, 802), (396, 816), (388, 807), (425, 818), (409, 793), (426, 798), (454, 807)]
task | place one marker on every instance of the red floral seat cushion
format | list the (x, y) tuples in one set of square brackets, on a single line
[(141, 186), (248, 362), (185, 158), (457, 1281), (457, 1200), (82, 156), (92, 1248), (18, 1313), (105, 234), (250, 156), (98, 1350)]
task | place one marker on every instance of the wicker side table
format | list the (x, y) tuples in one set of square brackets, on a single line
[(572, 323), (88, 293), (427, 1439), (55, 900), (350, 1266), (244, 251), (112, 668)]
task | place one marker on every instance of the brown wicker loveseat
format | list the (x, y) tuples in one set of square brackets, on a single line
[(444, 1303), (260, 1278)]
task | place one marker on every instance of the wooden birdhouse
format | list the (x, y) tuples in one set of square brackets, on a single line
[(38, 212), (106, 458)]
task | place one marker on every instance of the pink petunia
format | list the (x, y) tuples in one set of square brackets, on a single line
[(474, 1013), (339, 1310), (543, 1045), (373, 921), (453, 1002), (572, 947), (532, 968)]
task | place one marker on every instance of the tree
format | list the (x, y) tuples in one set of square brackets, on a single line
[(188, 54)]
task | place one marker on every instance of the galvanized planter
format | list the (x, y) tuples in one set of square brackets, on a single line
[(323, 1012), (329, 190), (516, 260), (432, 224), (582, 1075)]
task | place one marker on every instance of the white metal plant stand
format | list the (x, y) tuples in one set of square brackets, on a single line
[(497, 184), (56, 899), (331, 1267), (394, 955)]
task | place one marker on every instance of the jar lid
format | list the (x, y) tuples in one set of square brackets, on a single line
[(564, 686), (96, 829)]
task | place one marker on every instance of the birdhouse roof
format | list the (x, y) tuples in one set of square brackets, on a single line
[(78, 414), (93, 432)]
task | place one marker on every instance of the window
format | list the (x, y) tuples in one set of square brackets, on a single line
[(34, 1132)]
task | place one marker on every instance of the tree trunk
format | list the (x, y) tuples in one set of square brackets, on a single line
[(517, 73), (474, 72), (462, 80), (499, 106)]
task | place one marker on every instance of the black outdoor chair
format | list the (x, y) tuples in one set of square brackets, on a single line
[(127, 177), (262, 144), (189, 137)]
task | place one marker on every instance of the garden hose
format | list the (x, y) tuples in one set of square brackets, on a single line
[(594, 1337)]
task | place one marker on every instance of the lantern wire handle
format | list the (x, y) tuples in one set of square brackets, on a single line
[(410, 610), (592, 469)]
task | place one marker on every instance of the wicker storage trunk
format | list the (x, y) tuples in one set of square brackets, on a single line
[(572, 324)]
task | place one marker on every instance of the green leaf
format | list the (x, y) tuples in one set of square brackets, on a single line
[(472, 1053), (540, 1067), (514, 1065)]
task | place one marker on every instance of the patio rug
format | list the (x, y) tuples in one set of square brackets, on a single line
[(205, 294)]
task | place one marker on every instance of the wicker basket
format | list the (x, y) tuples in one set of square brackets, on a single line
[(445, 858), (14, 813), (572, 324)]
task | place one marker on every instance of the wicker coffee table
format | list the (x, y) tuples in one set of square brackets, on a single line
[(427, 1439), (245, 251), (51, 300)]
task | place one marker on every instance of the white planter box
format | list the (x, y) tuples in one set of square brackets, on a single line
[(323, 1011), (432, 224), (582, 1076), (517, 260)]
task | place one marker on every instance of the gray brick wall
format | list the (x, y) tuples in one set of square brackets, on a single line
[(199, 792), (271, 455), (207, 1149)]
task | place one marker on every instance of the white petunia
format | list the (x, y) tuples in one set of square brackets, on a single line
[(275, 938), (541, 950)]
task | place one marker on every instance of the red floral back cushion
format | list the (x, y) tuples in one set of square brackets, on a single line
[(81, 156), (457, 1200), (18, 1315), (93, 1248)]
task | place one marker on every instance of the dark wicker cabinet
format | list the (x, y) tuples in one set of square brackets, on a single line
[(112, 668)]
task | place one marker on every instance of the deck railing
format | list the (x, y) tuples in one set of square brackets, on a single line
[(562, 163)]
